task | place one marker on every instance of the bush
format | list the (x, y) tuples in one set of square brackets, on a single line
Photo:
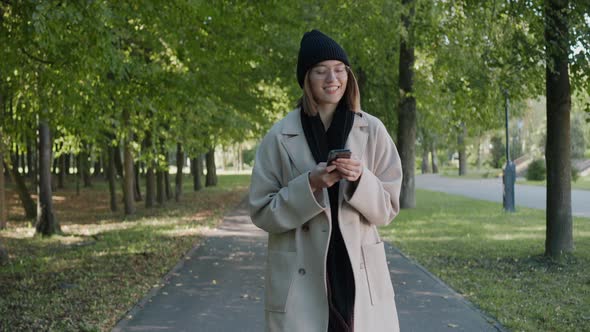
[(498, 152), (575, 174), (537, 170)]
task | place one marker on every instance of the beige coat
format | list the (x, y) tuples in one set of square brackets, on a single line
[(298, 226)]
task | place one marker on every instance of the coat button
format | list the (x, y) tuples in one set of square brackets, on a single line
[(302, 271), (305, 227)]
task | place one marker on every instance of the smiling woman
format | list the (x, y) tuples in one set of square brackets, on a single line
[(326, 268)]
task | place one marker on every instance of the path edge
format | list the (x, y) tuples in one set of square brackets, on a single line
[(492, 320), (123, 322)]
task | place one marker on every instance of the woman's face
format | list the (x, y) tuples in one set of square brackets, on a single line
[(328, 81)]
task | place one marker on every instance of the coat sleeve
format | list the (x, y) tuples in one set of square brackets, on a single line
[(376, 194), (274, 207)]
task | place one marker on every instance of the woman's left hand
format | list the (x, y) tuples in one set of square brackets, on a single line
[(350, 169)]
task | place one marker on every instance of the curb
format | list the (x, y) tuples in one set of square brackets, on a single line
[(492, 320)]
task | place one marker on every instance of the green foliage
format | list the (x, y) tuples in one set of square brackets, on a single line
[(575, 174), (498, 152), (578, 136), (249, 156), (537, 170)]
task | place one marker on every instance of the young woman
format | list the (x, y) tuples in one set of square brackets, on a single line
[(326, 267)]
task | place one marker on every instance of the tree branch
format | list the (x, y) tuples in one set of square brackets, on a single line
[(47, 62)]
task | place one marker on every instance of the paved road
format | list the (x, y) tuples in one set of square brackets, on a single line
[(491, 190), (219, 286)]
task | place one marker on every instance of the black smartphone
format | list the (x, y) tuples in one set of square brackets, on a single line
[(338, 153)]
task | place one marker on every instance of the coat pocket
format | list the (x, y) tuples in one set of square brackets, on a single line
[(280, 267), (377, 272)]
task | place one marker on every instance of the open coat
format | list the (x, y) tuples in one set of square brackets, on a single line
[(298, 223)]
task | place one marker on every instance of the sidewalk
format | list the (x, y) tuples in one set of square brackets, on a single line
[(492, 189), (219, 287)]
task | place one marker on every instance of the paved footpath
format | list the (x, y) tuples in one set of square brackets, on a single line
[(492, 189), (219, 286)]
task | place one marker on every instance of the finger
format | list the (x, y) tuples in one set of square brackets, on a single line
[(343, 161), (330, 168), (347, 170)]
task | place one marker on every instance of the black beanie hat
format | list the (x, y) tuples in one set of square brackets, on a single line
[(317, 47)]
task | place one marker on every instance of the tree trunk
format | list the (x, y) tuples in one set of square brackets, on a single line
[(150, 185), (425, 163), (479, 159), (128, 171), (76, 162), (211, 178), (3, 255), (98, 167), (46, 224), (118, 161), (111, 173), (462, 150), (55, 166), (559, 237), (406, 128), (197, 171), (160, 187), (69, 165), (61, 177), (30, 168), (3, 212), (23, 193), (150, 175), (136, 183), (434, 157), (167, 184), (84, 166), (179, 167)]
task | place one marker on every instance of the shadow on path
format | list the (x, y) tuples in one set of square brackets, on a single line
[(219, 286)]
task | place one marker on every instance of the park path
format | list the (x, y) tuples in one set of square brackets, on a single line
[(219, 286), (491, 190)]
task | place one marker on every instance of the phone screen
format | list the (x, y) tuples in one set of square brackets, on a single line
[(339, 153)]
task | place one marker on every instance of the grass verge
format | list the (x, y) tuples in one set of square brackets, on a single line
[(582, 183), (87, 278), (495, 260)]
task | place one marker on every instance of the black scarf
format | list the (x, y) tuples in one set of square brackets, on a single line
[(339, 276)]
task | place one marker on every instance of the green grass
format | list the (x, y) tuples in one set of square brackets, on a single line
[(496, 260), (582, 183), (86, 279)]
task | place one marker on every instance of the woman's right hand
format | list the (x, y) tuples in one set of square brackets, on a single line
[(321, 176)]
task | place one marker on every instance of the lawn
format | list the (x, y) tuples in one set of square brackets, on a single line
[(496, 260), (582, 183), (87, 278)]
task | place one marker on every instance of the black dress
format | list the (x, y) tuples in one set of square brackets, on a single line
[(339, 277)]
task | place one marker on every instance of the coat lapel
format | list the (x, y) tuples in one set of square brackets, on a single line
[(357, 139), (294, 142)]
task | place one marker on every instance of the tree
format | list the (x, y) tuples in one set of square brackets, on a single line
[(179, 167), (3, 255), (47, 223), (406, 129), (559, 238)]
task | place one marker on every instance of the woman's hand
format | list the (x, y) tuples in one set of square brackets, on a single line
[(350, 169), (322, 176)]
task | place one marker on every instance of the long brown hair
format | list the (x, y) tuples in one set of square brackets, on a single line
[(352, 96)]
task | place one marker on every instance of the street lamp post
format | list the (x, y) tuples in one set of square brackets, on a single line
[(510, 169)]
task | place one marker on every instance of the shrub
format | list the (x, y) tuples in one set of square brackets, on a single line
[(537, 170), (575, 174), (498, 152)]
